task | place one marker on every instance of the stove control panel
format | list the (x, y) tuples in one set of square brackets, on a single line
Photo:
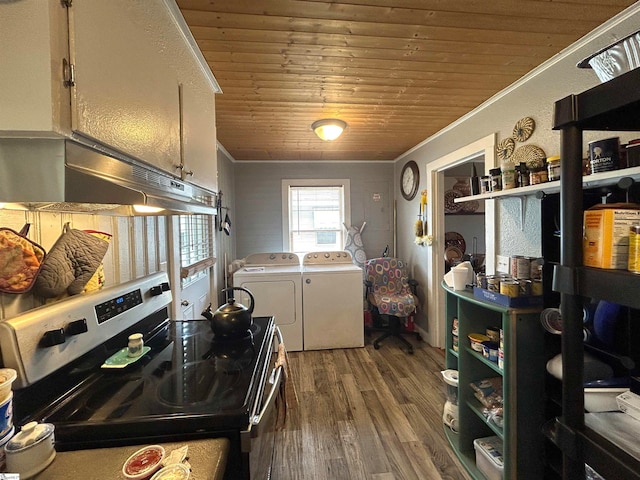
[(115, 306), (39, 341)]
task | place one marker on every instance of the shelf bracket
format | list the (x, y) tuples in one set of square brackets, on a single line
[(523, 210)]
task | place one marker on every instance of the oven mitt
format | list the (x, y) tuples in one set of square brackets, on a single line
[(20, 260), (71, 263), (96, 282)]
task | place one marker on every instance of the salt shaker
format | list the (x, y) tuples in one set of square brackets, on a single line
[(135, 344)]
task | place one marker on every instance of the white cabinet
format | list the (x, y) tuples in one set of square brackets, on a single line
[(110, 72), (124, 94)]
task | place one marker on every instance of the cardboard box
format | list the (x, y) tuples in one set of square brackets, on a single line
[(606, 236), (528, 301), (489, 458)]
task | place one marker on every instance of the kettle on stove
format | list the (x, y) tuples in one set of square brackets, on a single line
[(232, 319)]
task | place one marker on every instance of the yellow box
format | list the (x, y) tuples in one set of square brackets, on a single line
[(606, 236)]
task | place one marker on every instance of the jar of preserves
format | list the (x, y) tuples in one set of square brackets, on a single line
[(538, 175), (553, 168)]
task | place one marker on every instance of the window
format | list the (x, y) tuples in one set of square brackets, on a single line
[(314, 214), (196, 247)]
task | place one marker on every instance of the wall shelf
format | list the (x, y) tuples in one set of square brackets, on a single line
[(595, 180)]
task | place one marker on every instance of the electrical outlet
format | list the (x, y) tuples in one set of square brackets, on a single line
[(502, 264)]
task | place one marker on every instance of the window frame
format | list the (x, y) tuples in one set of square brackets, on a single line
[(345, 183)]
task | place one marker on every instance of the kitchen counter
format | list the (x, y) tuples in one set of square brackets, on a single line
[(207, 458)]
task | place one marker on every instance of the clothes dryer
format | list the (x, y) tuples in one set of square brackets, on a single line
[(332, 301), (275, 281)]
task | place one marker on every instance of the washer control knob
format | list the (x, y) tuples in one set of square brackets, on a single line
[(165, 286), (155, 291)]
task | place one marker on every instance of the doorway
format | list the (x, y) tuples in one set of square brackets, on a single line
[(481, 152)]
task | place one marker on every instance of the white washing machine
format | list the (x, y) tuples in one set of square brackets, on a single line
[(332, 301), (275, 281)]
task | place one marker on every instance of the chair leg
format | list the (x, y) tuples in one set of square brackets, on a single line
[(394, 330)]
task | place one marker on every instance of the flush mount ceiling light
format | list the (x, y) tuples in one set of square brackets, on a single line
[(329, 129)]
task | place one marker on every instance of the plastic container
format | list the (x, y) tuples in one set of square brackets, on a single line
[(32, 450), (6, 414), (604, 155), (508, 171), (177, 471), (143, 463), (3, 441), (489, 459), (7, 377), (476, 340), (451, 385)]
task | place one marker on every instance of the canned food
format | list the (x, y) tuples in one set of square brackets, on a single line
[(454, 326), (455, 343), (536, 287), (604, 154), (493, 333), (481, 280), (536, 268), (634, 249), (524, 287), (513, 266), (523, 268), (510, 288), (493, 283), (501, 358)]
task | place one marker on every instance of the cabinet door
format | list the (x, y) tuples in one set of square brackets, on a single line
[(126, 94), (199, 134)]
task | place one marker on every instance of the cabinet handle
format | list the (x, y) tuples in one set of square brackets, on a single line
[(184, 303), (178, 167), (189, 173)]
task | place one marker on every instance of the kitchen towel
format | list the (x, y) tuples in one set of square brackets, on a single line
[(227, 225), (287, 396)]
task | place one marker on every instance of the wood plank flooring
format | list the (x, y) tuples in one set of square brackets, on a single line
[(366, 414)]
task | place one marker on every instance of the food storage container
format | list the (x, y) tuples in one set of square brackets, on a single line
[(177, 471), (31, 450), (489, 459), (143, 463), (7, 376), (476, 340)]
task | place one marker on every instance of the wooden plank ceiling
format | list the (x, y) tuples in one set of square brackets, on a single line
[(397, 71)]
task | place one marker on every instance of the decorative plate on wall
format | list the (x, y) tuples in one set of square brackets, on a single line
[(454, 239), (523, 129), (505, 148), (449, 205), (533, 156)]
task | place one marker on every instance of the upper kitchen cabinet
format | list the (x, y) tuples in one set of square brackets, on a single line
[(124, 94), (197, 104), (123, 74)]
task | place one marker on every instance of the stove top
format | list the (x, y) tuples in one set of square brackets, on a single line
[(189, 381)]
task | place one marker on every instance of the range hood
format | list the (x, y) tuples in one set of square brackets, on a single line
[(65, 175)]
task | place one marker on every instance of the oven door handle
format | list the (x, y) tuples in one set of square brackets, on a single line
[(276, 380)]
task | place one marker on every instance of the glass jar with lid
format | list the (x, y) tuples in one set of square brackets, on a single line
[(553, 168)]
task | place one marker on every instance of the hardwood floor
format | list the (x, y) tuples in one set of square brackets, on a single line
[(366, 414)]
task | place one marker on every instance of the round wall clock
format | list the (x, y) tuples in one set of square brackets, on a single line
[(409, 180)]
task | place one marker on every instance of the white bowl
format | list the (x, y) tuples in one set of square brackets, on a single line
[(32, 450), (143, 463), (176, 471), (602, 399)]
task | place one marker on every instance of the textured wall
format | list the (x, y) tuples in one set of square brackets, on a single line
[(258, 198)]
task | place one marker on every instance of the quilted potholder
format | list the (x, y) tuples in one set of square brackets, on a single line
[(71, 263)]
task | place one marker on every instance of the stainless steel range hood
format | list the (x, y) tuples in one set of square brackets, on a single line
[(64, 175)]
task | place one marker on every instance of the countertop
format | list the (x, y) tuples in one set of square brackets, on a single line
[(207, 457)]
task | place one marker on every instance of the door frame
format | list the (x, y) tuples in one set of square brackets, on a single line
[(435, 216)]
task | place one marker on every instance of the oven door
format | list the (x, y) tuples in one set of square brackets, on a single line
[(258, 442)]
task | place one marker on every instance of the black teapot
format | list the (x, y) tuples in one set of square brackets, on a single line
[(232, 319)]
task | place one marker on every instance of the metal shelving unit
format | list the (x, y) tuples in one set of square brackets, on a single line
[(615, 106)]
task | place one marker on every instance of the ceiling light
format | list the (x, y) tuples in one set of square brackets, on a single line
[(147, 209), (329, 129)]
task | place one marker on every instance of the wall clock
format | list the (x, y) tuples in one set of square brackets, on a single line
[(409, 180)]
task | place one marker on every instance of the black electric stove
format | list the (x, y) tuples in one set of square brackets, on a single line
[(189, 384)]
